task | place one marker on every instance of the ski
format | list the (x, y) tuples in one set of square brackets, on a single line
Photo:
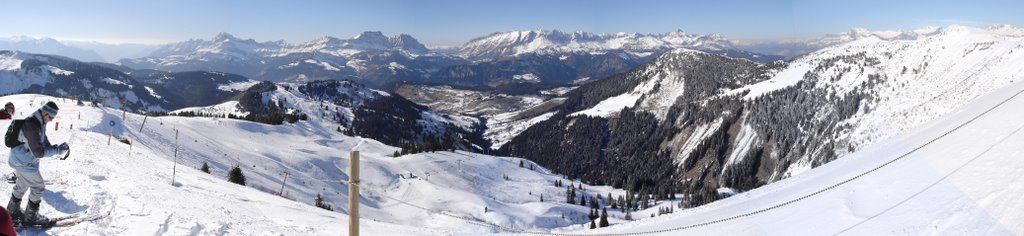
[(63, 221)]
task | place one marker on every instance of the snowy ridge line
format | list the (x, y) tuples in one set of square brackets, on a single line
[(940, 180)]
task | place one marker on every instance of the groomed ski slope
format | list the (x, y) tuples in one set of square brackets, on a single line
[(967, 182)]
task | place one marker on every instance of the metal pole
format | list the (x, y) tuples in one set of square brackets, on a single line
[(174, 170), (143, 122), (353, 194), (282, 184)]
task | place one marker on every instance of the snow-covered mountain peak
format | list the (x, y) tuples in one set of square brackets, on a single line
[(682, 52), (377, 41), (1006, 30), (927, 30), (324, 42), (369, 39), (407, 43), (224, 36), (370, 36), (858, 32)]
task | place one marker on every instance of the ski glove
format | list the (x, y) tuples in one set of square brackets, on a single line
[(63, 151)]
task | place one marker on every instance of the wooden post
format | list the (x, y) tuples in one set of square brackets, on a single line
[(282, 184), (110, 134), (353, 194), (174, 170)]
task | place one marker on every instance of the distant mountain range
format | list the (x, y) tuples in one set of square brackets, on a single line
[(371, 58), (48, 46), (512, 43), (544, 58), (88, 51), (793, 48)]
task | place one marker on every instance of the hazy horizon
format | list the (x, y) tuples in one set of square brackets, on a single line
[(452, 23)]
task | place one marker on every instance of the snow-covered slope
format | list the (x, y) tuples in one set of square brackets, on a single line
[(906, 82), (895, 82), (132, 184), (752, 124), (955, 175), (48, 74)]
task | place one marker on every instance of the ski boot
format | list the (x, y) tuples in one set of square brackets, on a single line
[(14, 209), (32, 216)]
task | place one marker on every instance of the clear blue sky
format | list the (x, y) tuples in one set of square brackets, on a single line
[(455, 22)]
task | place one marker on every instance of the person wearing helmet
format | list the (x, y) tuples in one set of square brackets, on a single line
[(31, 145)]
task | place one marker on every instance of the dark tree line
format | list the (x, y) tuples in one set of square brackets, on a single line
[(390, 119)]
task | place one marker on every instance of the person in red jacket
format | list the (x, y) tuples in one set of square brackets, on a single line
[(8, 112), (6, 225)]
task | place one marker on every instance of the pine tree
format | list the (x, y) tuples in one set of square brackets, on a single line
[(318, 201), (592, 225), (235, 175), (570, 195), (205, 168), (396, 154), (520, 163), (604, 217)]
